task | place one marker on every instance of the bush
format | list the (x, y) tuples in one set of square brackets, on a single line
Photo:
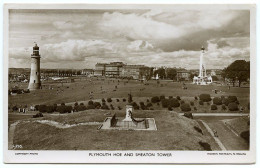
[(205, 146), (230, 99), (143, 107), (97, 105), (174, 103), (170, 108), (182, 101), (117, 100), (188, 115), (185, 107), (205, 97), (155, 99), (198, 129), (81, 104), (213, 107), (217, 101), (76, 104), (63, 104), (135, 105), (49, 109), (178, 98), (141, 103), (201, 102), (103, 100), (147, 100), (124, 100), (232, 106), (170, 97), (195, 108), (112, 107), (104, 107), (64, 109), (36, 107), (42, 108), (109, 100), (149, 105), (245, 135), (90, 102), (165, 103), (90, 106), (38, 115), (119, 108), (192, 103), (196, 98), (81, 107), (162, 97), (223, 107)]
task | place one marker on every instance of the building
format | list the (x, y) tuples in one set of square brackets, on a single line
[(100, 69), (183, 75), (203, 78), (35, 76), (136, 72), (87, 72), (113, 69)]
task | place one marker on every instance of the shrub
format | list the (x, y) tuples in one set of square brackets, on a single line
[(76, 104), (213, 107), (205, 97), (63, 104), (182, 101), (124, 100), (103, 100), (162, 97), (205, 146), (42, 108), (147, 100), (178, 98), (81, 104), (223, 107), (49, 109), (36, 107), (217, 101), (143, 107), (141, 103), (188, 115), (90, 102), (192, 103), (135, 105), (232, 106), (97, 105), (149, 105), (109, 100), (170, 97), (165, 103), (230, 99), (117, 100), (201, 102), (119, 108), (195, 108), (198, 129), (15, 108), (174, 103), (158, 104), (170, 108), (185, 107), (245, 135), (82, 107), (90, 106), (104, 107), (151, 109), (55, 107), (196, 98), (155, 99), (112, 107), (38, 115), (64, 109)]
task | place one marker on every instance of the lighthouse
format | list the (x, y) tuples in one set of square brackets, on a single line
[(35, 78), (202, 67)]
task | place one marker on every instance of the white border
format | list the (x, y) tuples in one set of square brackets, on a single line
[(178, 156)]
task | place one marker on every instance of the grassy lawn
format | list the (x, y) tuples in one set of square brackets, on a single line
[(174, 133)]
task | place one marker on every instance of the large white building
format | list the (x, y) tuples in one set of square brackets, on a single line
[(202, 79)]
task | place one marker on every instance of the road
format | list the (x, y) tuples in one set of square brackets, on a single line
[(228, 138)]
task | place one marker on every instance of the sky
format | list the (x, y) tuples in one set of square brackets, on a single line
[(78, 39)]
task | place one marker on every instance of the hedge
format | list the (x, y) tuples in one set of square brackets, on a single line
[(205, 97), (174, 102), (64, 109), (165, 103), (185, 107)]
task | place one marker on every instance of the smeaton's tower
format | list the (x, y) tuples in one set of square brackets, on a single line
[(35, 78), (202, 79)]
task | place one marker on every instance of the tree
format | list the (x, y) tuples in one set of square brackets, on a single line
[(171, 73), (239, 71), (160, 72)]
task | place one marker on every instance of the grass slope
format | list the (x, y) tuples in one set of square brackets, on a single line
[(174, 132)]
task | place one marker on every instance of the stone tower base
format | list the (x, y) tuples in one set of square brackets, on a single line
[(34, 86)]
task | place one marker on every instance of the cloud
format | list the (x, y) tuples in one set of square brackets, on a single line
[(140, 45)]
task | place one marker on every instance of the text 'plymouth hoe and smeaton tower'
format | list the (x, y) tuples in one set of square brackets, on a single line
[(35, 78), (202, 79)]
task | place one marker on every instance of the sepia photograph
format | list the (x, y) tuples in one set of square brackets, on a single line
[(135, 78)]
